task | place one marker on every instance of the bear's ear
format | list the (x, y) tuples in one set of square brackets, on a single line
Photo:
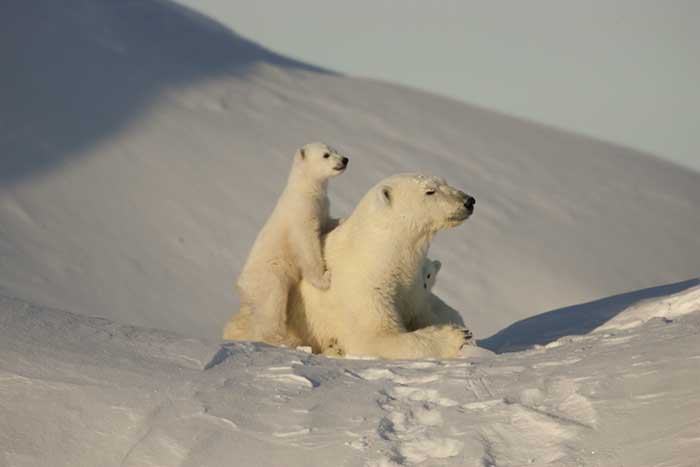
[(437, 265), (385, 195)]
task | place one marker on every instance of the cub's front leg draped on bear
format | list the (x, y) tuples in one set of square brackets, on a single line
[(309, 255)]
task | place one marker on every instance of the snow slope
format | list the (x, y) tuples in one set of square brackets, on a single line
[(80, 391), (143, 145)]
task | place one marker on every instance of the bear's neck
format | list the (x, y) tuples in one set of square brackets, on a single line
[(413, 251), (300, 182), (403, 254)]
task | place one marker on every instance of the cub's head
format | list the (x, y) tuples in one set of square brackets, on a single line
[(429, 272), (419, 203), (320, 161)]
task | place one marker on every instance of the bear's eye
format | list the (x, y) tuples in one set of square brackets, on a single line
[(428, 276), (326, 156), (430, 192)]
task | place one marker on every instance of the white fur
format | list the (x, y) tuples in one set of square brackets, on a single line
[(375, 257), (288, 248), (428, 308), (422, 310)]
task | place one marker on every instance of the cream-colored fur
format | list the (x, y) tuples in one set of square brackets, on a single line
[(424, 308), (428, 309), (288, 248), (375, 258)]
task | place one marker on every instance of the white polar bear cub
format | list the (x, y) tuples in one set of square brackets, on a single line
[(431, 267), (427, 308), (288, 248)]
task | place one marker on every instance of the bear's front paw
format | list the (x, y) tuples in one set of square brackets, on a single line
[(450, 340), (323, 282), (333, 349), (468, 337)]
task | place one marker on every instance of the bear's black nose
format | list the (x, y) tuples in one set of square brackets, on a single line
[(470, 202), (345, 161)]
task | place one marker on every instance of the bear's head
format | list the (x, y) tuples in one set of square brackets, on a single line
[(420, 203), (430, 271), (319, 161)]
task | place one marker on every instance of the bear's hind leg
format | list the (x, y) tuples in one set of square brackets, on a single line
[(238, 327), (269, 320)]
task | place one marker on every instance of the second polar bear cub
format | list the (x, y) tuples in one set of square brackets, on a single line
[(430, 269), (288, 248)]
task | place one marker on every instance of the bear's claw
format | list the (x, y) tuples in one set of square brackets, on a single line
[(467, 336)]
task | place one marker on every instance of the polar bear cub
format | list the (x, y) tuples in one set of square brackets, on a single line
[(431, 267), (288, 248), (428, 308)]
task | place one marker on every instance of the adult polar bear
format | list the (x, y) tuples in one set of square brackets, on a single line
[(376, 258)]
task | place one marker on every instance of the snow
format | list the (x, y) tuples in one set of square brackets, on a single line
[(143, 146), (86, 391), (670, 307)]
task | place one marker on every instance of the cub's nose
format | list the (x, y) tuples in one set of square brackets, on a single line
[(345, 161), (469, 202)]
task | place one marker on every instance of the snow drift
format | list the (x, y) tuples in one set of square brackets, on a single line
[(86, 391)]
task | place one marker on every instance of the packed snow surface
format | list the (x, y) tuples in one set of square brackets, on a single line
[(80, 391)]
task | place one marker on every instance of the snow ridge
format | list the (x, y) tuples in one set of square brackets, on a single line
[(116, 395)]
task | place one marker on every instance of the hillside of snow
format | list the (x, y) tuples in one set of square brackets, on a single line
[(142, 146), (81, 391)]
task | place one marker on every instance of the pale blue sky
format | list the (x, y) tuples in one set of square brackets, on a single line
[(626, 71)]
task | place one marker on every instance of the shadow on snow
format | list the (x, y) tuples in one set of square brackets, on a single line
[(83, 69), (572, 320)]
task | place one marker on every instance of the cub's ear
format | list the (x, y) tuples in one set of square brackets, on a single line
[(437, 265), (384, 195)]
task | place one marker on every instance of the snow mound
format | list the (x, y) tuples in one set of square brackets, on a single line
[(42, 328), (546, 328), (84, 391), (675, 305)]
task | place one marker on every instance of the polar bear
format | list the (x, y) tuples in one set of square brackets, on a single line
[(427, 308), (288, 248), (375, 257)]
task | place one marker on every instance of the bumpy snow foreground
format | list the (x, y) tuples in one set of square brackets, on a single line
[(79, 391)]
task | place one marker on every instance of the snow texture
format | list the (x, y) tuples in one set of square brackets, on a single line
[(85, 391)]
